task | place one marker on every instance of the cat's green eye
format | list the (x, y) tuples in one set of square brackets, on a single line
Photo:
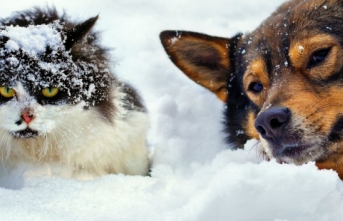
[(7, 92), (50, 92)]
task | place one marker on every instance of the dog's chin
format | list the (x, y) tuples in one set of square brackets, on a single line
[(25, 134), (298, 154)]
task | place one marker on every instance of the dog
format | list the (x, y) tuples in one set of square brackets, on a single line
[(282, 83)]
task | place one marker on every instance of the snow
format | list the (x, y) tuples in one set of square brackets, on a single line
[(301, 48), (26, 58), (195, 176), (38, 38)]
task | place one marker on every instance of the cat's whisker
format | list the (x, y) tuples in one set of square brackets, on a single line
[(50, 144), (43, 149), (53, 147), (7, 147), (66, 128), (71, 143), (5, 152), (67, 135)]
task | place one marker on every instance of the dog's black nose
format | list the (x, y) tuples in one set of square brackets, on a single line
[(272, 122)]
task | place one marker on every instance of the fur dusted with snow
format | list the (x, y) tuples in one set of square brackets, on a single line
[(93, 125), (282, 83)]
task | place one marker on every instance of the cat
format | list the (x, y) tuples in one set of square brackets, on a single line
[(60, 104)]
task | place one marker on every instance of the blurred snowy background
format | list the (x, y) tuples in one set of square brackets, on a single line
[(195, 176)]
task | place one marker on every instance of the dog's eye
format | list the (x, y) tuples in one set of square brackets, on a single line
[(255, 87), (318, 56)]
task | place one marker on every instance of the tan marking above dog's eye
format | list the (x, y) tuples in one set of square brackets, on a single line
[(317, 57)]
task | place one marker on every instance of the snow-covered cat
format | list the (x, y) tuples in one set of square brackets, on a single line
[(59, 102)]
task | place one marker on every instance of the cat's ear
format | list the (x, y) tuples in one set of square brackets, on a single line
[(203, 58), (78, 32)]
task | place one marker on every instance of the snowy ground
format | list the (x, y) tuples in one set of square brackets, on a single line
[(195, 176)]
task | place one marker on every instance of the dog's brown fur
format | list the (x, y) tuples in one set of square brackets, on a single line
[(282, 83)]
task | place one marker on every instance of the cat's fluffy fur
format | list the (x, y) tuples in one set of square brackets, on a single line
[(95, 127)]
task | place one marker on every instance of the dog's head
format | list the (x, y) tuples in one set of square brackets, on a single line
[(282, 83)]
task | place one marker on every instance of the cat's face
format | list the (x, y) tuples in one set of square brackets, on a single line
[(22, 114), (41, 78), (38, 130)]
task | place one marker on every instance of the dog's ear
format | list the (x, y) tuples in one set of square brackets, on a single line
[(203, 58), (78, 32)]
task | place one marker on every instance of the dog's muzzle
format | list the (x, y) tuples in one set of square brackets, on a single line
[(271, 123), (273, 126)]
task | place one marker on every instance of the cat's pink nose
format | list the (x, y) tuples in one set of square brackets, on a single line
[(27, 117)]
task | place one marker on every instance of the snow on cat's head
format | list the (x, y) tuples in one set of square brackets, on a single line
[(33, 39), (45, 54)]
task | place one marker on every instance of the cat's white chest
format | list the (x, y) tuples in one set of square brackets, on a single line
[(79, 140)]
